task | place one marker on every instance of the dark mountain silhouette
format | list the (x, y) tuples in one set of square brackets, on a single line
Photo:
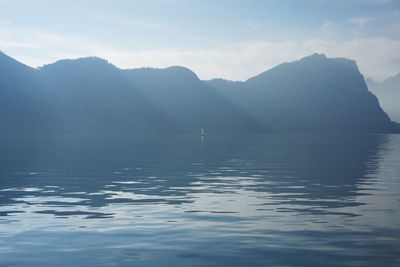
[(388, 93), (314, 94), (90, 95)]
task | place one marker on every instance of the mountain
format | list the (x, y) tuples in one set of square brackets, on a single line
[(92, 96), (179, 93), (314, 94), (388, 93)]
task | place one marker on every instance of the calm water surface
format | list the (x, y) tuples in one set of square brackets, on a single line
[(178, 200)]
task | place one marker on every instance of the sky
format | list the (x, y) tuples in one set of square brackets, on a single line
[(231, 39)]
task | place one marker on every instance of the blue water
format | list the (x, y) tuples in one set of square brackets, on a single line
[(183, 200)]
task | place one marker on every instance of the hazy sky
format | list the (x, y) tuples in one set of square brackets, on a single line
[(215, 38)]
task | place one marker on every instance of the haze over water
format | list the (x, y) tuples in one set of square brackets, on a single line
[(183, 200)]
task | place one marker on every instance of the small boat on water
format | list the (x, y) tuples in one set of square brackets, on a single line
[(202, 131)]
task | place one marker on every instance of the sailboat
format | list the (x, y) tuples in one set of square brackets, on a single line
[(202, 131)]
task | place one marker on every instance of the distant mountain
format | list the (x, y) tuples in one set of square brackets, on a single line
[(388, 93), (90, 95), (179, 93), (314, 94)]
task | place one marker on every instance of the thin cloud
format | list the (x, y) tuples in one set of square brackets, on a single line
[(234, 61), (239, 61), (359, 21), (123, 21), (252, 25)]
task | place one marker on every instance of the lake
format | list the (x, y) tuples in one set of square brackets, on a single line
[(184, 200)]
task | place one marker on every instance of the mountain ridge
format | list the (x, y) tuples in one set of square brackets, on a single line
[(92, 95)]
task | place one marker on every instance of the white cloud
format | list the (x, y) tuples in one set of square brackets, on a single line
[(36, 48), (252, 25), (377, 58), (360, 21), (326, 25), (5, 22), (124, 21)]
